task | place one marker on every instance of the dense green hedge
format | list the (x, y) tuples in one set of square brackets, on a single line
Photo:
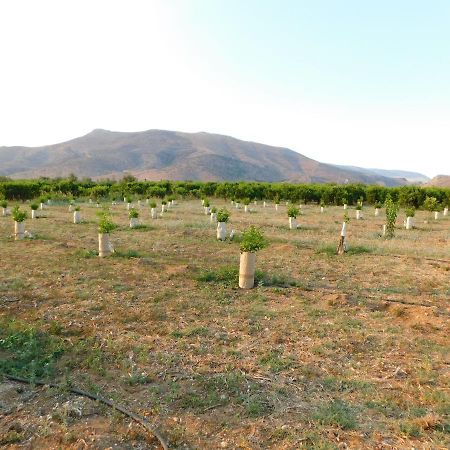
[(307, 193)]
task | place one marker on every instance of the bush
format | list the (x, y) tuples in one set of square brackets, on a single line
[(133, 213), (213, 210), (128, 199), (163, 202), (377, 205), (206, 203), (34, 206), (358, 207), (391, 216), (106, 224), (152, 204), (18, 214), (430, 204), (253, 240), (410, 212), (293, 212), (4, 204), (223, 215), (77, 208)]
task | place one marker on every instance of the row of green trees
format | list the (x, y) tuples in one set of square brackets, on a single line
[(329, 194)]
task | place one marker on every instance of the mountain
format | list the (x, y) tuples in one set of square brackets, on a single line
[(412, 177), (440, 181), (172, 155)]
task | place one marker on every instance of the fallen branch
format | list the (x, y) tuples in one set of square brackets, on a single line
[(139, 419)]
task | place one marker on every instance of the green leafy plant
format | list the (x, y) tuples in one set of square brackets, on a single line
[(4, 204), (322, 204), (42, 200), (293, 212), (358, 207), (106, 225), (133, 213), (18, 215), (276, 199), (346, 218), (377, 205), (391, 216), (152, 204), (344, 201), (223, 215), (163, 202), (430, 204), (206, 203), (213, 210), (77, 208), (34, 206), (128, 199), (410, 212), (253, 240), (247, 201)]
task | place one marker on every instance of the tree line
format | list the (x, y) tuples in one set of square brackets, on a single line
[(329, 194)]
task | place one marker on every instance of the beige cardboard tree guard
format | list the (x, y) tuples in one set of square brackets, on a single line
[(247, 270)]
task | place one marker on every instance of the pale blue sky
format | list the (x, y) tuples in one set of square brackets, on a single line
[(348, 82)]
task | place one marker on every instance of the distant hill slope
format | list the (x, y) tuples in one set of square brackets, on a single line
[(440, 181), (412, 177), (158, 154)]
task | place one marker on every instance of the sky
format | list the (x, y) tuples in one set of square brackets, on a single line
[(363, 83)]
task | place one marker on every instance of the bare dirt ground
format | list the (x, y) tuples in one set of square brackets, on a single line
[(326, 352)]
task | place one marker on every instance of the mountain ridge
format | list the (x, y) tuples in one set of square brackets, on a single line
[(174, 155)]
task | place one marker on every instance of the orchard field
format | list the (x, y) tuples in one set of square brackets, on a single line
[(326, 352)]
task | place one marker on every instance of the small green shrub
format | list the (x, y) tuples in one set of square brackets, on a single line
[(391, 216), (377, 205), (163, 202), (431, 204), (106, 225), (213, 210), (410, 212), (129, 199), (4, 204), (133, 213), (253, 240), (152, 204), (358, 207), (34, 206), (293, 212), (206, 203), (18, 215), (223, 215), (77, 208)]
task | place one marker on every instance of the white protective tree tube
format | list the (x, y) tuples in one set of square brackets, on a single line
[(409, 223), (70, 208), (33, 214), (19, 230), (207, 210), (213, 217), (384, 230), (153, 213), (104, 245), (292, 223), (321, 209), (245, 208), (276, 206), (76, 217), (134, 222), (345, 206), (41, 206), (358, 214), (128, 206), (163, 208), (4, 212), (344, 234), (264, 204), (221, 231), (436, 215), (377, 212), (445, 211), (247, 270), (237, 205)]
